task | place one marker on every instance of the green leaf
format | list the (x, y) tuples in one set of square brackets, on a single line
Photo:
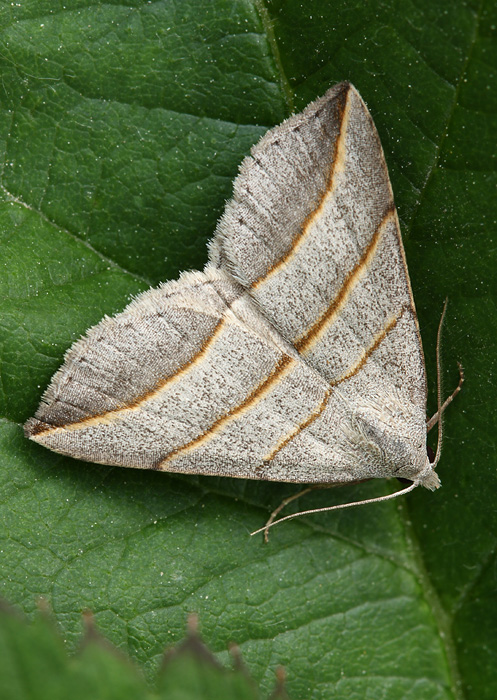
[(35, 666), (191, 671), (122, 129)]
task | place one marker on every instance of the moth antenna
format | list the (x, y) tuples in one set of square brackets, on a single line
[(434, 419), (388, 497), (438, 417), (282, 505)]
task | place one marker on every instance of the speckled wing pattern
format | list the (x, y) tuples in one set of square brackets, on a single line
[(294, 356)]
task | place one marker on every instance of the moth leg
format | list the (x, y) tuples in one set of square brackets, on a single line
[(434, 419), (283, 504)]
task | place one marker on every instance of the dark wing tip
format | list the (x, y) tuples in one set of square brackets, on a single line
[(34, 427)]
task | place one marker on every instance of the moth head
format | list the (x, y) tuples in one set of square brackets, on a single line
[(392, 440)]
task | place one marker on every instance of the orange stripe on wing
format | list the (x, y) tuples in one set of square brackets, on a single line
[(292, 434), (366, 354), (109, 416), (337, 167), (285, 364), (307, 341)]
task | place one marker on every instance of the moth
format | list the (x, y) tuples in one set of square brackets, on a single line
[(295, 355)]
